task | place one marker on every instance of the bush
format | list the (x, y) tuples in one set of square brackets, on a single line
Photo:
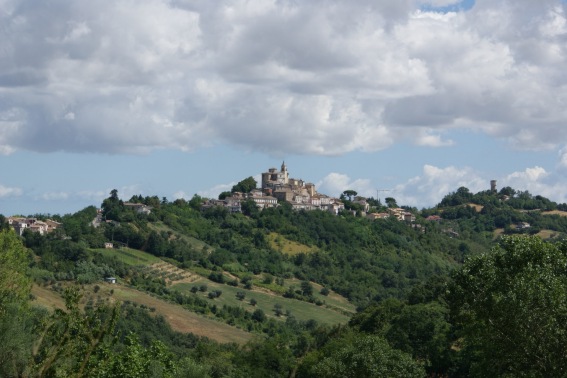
[(259, 315), (217, 277)]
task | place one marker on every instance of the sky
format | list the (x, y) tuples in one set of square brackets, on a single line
[(409, 99)]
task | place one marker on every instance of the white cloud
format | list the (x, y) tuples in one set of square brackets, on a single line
[(530, 175), (54, 196), (180, 194), (563, 158), (216, 190), (93, 195), (335, 183), (6, 191), (279, 77), (429, 188), (538, 181)]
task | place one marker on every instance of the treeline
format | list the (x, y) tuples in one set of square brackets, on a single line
[(505, 210)]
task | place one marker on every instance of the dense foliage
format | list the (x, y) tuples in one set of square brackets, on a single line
[(441, 296)]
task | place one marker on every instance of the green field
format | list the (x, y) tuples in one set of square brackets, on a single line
[(286, 246), (266, 301), (335, 310), (194, 243), (180, 319), (130, 256)]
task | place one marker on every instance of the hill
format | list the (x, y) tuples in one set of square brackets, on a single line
[(265, 291)]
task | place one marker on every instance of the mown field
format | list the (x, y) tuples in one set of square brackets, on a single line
[(129, 256), (334, 309), (333, 313), (180, 319)]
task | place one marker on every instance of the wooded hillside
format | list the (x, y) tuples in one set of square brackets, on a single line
[(295, 293)]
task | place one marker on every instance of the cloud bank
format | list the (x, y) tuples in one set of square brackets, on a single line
[(321, 77)]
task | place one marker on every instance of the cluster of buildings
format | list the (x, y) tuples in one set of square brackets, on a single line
[(278, 186), (398, 213), (33, 224), (139, 208)]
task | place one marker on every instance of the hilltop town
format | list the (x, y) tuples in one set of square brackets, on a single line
[(277, 186)]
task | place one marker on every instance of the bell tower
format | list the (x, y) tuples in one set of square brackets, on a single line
[(284, 175)]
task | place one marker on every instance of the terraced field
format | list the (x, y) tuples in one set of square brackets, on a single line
[(170, 273)]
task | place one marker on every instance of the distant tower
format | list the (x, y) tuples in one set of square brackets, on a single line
[(493, 186), (284, 175)]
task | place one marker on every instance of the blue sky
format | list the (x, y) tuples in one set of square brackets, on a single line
[(181, 97)]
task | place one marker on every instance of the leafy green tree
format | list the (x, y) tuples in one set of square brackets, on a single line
[(391, 202), (136, 361), (224, 195), (507, 191), (196, 202), (249, 207), (350, 194), (512, 307), (245, 186), (240, 295), (112, 207), (306, 288), (18, 329), (367, 356), (423, 331), (259, 315), (278, 309), (15, 285), (74, 340)]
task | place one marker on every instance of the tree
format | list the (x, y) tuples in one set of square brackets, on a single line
[(512, 307), (196, 202), (240, 295), (367, 356), (306, 288), (278, 310), (112, 206), (245, 186), (249, 207), (259, 315), (350, 194), (507, 191), (224, 195), (391, 202), (15, 285)]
